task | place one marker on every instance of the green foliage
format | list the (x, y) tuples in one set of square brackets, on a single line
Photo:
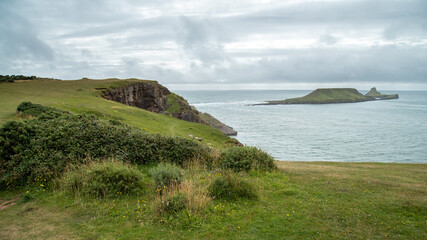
[(246, 158), (37, 110), (44, 146), (231, 187), (166, 174), (174, 204), (12, 78), (104, 179), (26, 197)]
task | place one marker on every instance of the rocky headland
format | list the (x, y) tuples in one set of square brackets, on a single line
[(334, 95), (152, 96)]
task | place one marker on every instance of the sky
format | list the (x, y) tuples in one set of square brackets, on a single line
[(221, 44)]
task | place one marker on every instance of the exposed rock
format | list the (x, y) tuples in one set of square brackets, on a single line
[(373, 92), (378, 96), (152, 96)]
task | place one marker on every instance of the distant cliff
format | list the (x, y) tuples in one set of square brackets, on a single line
[(334, 95), (378, 96), (154, 97)]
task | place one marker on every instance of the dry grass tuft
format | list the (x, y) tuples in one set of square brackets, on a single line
[(197, 196)]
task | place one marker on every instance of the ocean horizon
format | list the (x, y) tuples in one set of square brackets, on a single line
[(375, 131)]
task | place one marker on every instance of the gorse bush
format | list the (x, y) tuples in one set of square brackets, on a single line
[(44, 146), (36, 110), (166, 174), (231, 187), (246, 158), (103, 179)]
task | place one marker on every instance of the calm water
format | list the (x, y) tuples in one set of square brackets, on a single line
[(379, 131)]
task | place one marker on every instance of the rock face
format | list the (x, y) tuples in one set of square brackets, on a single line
[(146, 95), (152, 96), (335, 95), (378, 96)]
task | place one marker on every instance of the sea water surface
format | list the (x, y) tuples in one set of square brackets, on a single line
[(377, 131)]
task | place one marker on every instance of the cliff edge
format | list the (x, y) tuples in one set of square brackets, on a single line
[(379, 96), (152, 96)]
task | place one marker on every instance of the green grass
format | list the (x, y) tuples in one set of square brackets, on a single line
[(82, 96), (173, 102), (301, 200), (328, 95)]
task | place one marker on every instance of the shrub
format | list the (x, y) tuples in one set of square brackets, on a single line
[(246, 158), (104, 179), (45, 145), (12, 78), (231, 187), (31, 109), (166, 174)]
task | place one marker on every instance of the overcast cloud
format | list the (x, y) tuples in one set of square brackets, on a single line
[(293, 44)]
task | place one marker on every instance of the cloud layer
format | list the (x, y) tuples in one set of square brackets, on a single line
[(226, 43)]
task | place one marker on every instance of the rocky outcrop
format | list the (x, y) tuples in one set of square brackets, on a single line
[(378, 96), (152, 96), (218, 125)]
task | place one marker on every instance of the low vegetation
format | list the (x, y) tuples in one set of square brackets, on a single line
[(310, 200), (231, 187), (246, 158), (103, 179), (166, 174), (46, 145)]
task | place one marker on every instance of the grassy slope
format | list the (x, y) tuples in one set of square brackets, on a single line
[(304, 200), (80, 96), (329, 95)]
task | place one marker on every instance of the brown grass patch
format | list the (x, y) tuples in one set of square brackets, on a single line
[(35, 223), (197, 196)]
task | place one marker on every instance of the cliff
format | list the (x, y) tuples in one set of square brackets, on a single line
[(379, 96), (334, 95), (154, 97)]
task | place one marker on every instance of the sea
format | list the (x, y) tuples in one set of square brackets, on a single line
[(376, 131)]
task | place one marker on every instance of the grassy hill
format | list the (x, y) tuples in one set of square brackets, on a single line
[(327, 95), (82, 96)]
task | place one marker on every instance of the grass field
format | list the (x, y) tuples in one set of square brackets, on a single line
[(81, 96), (301, 200)]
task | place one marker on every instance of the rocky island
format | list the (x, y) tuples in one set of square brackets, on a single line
[(335, 95)]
